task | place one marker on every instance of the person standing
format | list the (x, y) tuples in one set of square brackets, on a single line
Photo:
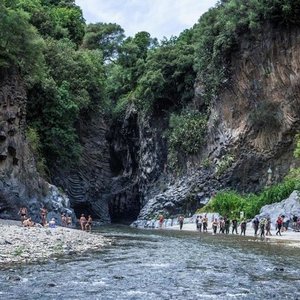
[(268, 227), (262, 228), (205, 222), (44, 213), (180, 220), (255, 223), (82, 221), (88, 225), (222, 225), (63, 220), (227, 225), (243, 227), (161, 220), (234, 226), (197, 222), (215, 226), (69, 221), (279, 225)]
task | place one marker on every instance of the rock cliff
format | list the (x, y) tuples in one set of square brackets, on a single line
[(20, 183), (251, 129), (122, 173), (252, 124)]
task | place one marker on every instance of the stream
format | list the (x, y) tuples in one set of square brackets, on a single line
[(163, 264)]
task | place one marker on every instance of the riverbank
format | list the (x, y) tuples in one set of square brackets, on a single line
[(290, 238), (22, 245)]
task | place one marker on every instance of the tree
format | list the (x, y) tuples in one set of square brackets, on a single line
[(103, 36), (24, 47)]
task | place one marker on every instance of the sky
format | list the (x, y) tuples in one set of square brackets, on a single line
[(161, 18)]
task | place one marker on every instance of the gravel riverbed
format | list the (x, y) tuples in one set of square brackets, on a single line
[(38, 244)]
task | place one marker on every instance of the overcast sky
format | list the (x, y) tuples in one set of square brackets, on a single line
[(158, 17)]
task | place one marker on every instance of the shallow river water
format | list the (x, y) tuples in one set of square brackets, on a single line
[(159, 264)]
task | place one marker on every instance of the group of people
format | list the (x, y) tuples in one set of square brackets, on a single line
[(261, 227), (223, 224), (86, 223), (26, 221)]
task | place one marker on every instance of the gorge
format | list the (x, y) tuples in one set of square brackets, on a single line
[(126, 168)]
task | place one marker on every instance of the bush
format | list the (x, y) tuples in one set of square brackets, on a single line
[(230, 203), (187, 131), (35, 146)]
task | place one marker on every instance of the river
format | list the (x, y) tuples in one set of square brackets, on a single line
[(163, 264)]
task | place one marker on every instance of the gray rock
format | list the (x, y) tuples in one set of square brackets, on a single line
[(287, 207)]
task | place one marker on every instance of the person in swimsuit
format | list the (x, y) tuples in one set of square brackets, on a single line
[(44, 215), (82, 221), (23, 214), (28, 223), (88, 225), (63, 220), (69, 221), (161, 220)]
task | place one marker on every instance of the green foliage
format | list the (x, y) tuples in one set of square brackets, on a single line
[(106, 37), (224, 163), (73, 82), (57, 19), (36, 148), (168, 79), (20, 45), (297, 148), (187, 132), (218, 31), (230, 203)]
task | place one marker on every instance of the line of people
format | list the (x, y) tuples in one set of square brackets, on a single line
[(261, 227)]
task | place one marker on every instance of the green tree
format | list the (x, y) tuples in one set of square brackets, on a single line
[(103, 36), (24, 47)]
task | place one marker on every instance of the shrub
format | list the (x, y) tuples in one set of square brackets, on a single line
[(224, 163), (230, 203), (187, 131), (35, 146)]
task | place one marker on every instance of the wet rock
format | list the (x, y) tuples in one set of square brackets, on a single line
[(51, 284), (14, 278)]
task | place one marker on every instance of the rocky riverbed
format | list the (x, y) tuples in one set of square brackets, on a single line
[(21, 245)]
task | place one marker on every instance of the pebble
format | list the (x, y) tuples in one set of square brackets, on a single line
[(23, 245)]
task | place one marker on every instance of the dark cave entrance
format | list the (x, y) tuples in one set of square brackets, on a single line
[(83, 208)]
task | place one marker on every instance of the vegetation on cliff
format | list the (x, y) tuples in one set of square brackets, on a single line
[(71, 68)]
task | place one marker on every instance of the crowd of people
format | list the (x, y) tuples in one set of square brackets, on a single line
[(261, 227), (66, 220), (224, 225)]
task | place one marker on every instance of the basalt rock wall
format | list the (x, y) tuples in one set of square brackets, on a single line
[(20, 183), (252, 124), (256, 116)]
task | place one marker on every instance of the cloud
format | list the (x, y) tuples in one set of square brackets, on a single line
[(158, 17)]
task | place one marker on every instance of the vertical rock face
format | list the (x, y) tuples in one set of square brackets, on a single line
[(20, 183), (252, 123), (18, 177), (89, 183), (257, 114)]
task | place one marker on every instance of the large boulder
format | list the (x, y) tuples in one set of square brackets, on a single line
[(287, 207)]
